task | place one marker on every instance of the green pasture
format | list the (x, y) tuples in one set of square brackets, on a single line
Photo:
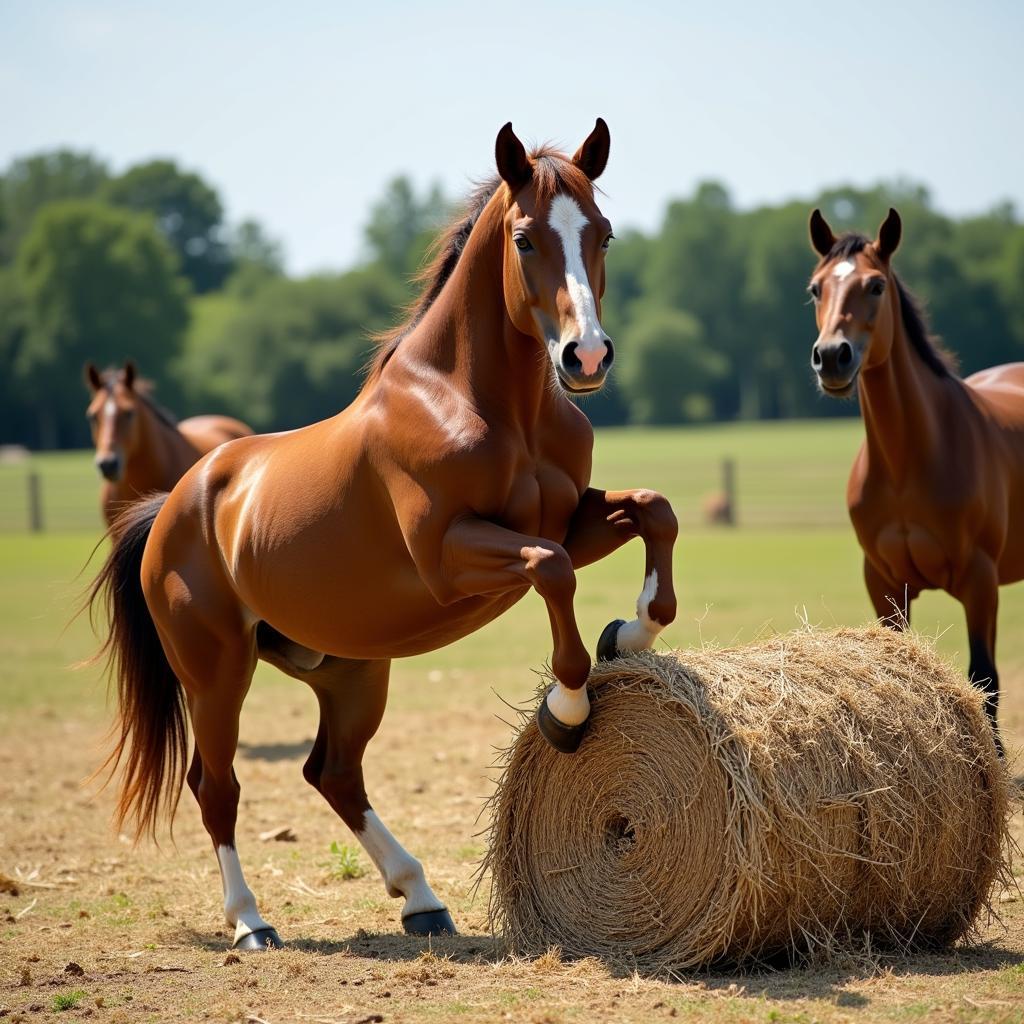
[(793, 558)]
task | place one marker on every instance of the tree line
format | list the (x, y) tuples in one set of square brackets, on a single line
[(709, 312)]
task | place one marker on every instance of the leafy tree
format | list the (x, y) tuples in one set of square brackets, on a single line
[(255, 256), (696, 266), (100, 284), (668, 369), (188, 212), (31, 182), (402, 224), (291, 353)]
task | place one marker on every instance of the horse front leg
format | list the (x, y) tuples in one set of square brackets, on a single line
[(480, 558), (978, 592), (603, 522)]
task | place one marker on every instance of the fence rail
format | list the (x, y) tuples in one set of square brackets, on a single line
[(59, 492)]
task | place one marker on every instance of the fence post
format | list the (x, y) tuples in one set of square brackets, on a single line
[(729, 490), (35, 502)]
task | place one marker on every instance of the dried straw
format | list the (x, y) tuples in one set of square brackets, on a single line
[(793, 796)]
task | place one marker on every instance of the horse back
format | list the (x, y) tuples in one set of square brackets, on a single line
[(206, 432)]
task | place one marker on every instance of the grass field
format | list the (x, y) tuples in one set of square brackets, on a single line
[(144, 925)]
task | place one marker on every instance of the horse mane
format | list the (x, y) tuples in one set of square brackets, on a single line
[(143, 389), (552, 171), (935, 355)]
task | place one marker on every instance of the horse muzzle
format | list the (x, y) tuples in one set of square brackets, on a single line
[(836, 364), (109, 467), (583, 373)]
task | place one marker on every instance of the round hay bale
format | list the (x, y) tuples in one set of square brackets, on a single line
[(789, 797)]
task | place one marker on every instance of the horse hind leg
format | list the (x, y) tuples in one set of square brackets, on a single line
[(214, 708), (352, 697)]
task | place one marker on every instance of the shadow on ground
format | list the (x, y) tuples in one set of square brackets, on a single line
[(275, 751)]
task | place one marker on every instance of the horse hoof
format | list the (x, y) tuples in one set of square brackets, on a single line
[(564, 738), (259, 941), (607, 649), (429, 922)]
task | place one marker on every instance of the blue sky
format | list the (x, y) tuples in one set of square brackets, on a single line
[(299, 115)]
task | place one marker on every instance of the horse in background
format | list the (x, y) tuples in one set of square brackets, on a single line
[(937, 490), (456, 481), (140, 447)]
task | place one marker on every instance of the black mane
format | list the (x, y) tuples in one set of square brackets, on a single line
[(938, 359)]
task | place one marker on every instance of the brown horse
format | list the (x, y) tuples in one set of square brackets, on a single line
[(140, 447), (457, 479), (939, 482)]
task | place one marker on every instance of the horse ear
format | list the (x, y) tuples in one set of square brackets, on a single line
[(513, 164), (130, 373), (889, 235), (92, 377), (821, 234), (592, 157)]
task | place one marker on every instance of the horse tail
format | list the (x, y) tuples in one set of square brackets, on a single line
[(151, 734)]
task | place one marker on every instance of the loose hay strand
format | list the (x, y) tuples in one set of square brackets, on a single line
[(814, 791)]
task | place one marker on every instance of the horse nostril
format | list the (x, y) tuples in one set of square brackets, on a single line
[(845, 356), (816, 357), (570, 361), (609, 356)]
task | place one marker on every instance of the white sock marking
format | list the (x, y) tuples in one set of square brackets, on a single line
[(843, 270), (570, 707), (568, 221), (239, 903), (403, 873), (640, 634)]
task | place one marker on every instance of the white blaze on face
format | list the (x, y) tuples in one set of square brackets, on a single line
[(843, 270), (403, 873), (568, 221)]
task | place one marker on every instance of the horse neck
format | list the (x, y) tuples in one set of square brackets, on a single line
[(160, 454), (468, 337), (904, 404)]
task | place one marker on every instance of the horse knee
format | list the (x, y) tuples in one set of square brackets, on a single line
[(551, 571)]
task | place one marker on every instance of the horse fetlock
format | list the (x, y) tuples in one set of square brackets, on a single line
[(571, 669), (404, 876)]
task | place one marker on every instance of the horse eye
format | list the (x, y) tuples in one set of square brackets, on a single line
[(91, 416), (522, 243), (815, 290), (128, 414), (607, 242), (876, 286)]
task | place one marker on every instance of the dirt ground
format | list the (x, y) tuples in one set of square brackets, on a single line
[(119, 934)]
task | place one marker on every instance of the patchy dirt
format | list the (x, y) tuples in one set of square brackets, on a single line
[(91, 927)]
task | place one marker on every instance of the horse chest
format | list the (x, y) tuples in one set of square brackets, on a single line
[(541, 501)]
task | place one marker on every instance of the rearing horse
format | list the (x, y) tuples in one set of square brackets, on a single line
[(140, 447), (937, 490), (456, 480)]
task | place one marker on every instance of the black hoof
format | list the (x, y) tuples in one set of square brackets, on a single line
[(606, 646), (259, 941), (564, 738), (429, 922)]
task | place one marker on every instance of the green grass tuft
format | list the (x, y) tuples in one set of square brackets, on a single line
[(67, 1000), (344, 862)]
